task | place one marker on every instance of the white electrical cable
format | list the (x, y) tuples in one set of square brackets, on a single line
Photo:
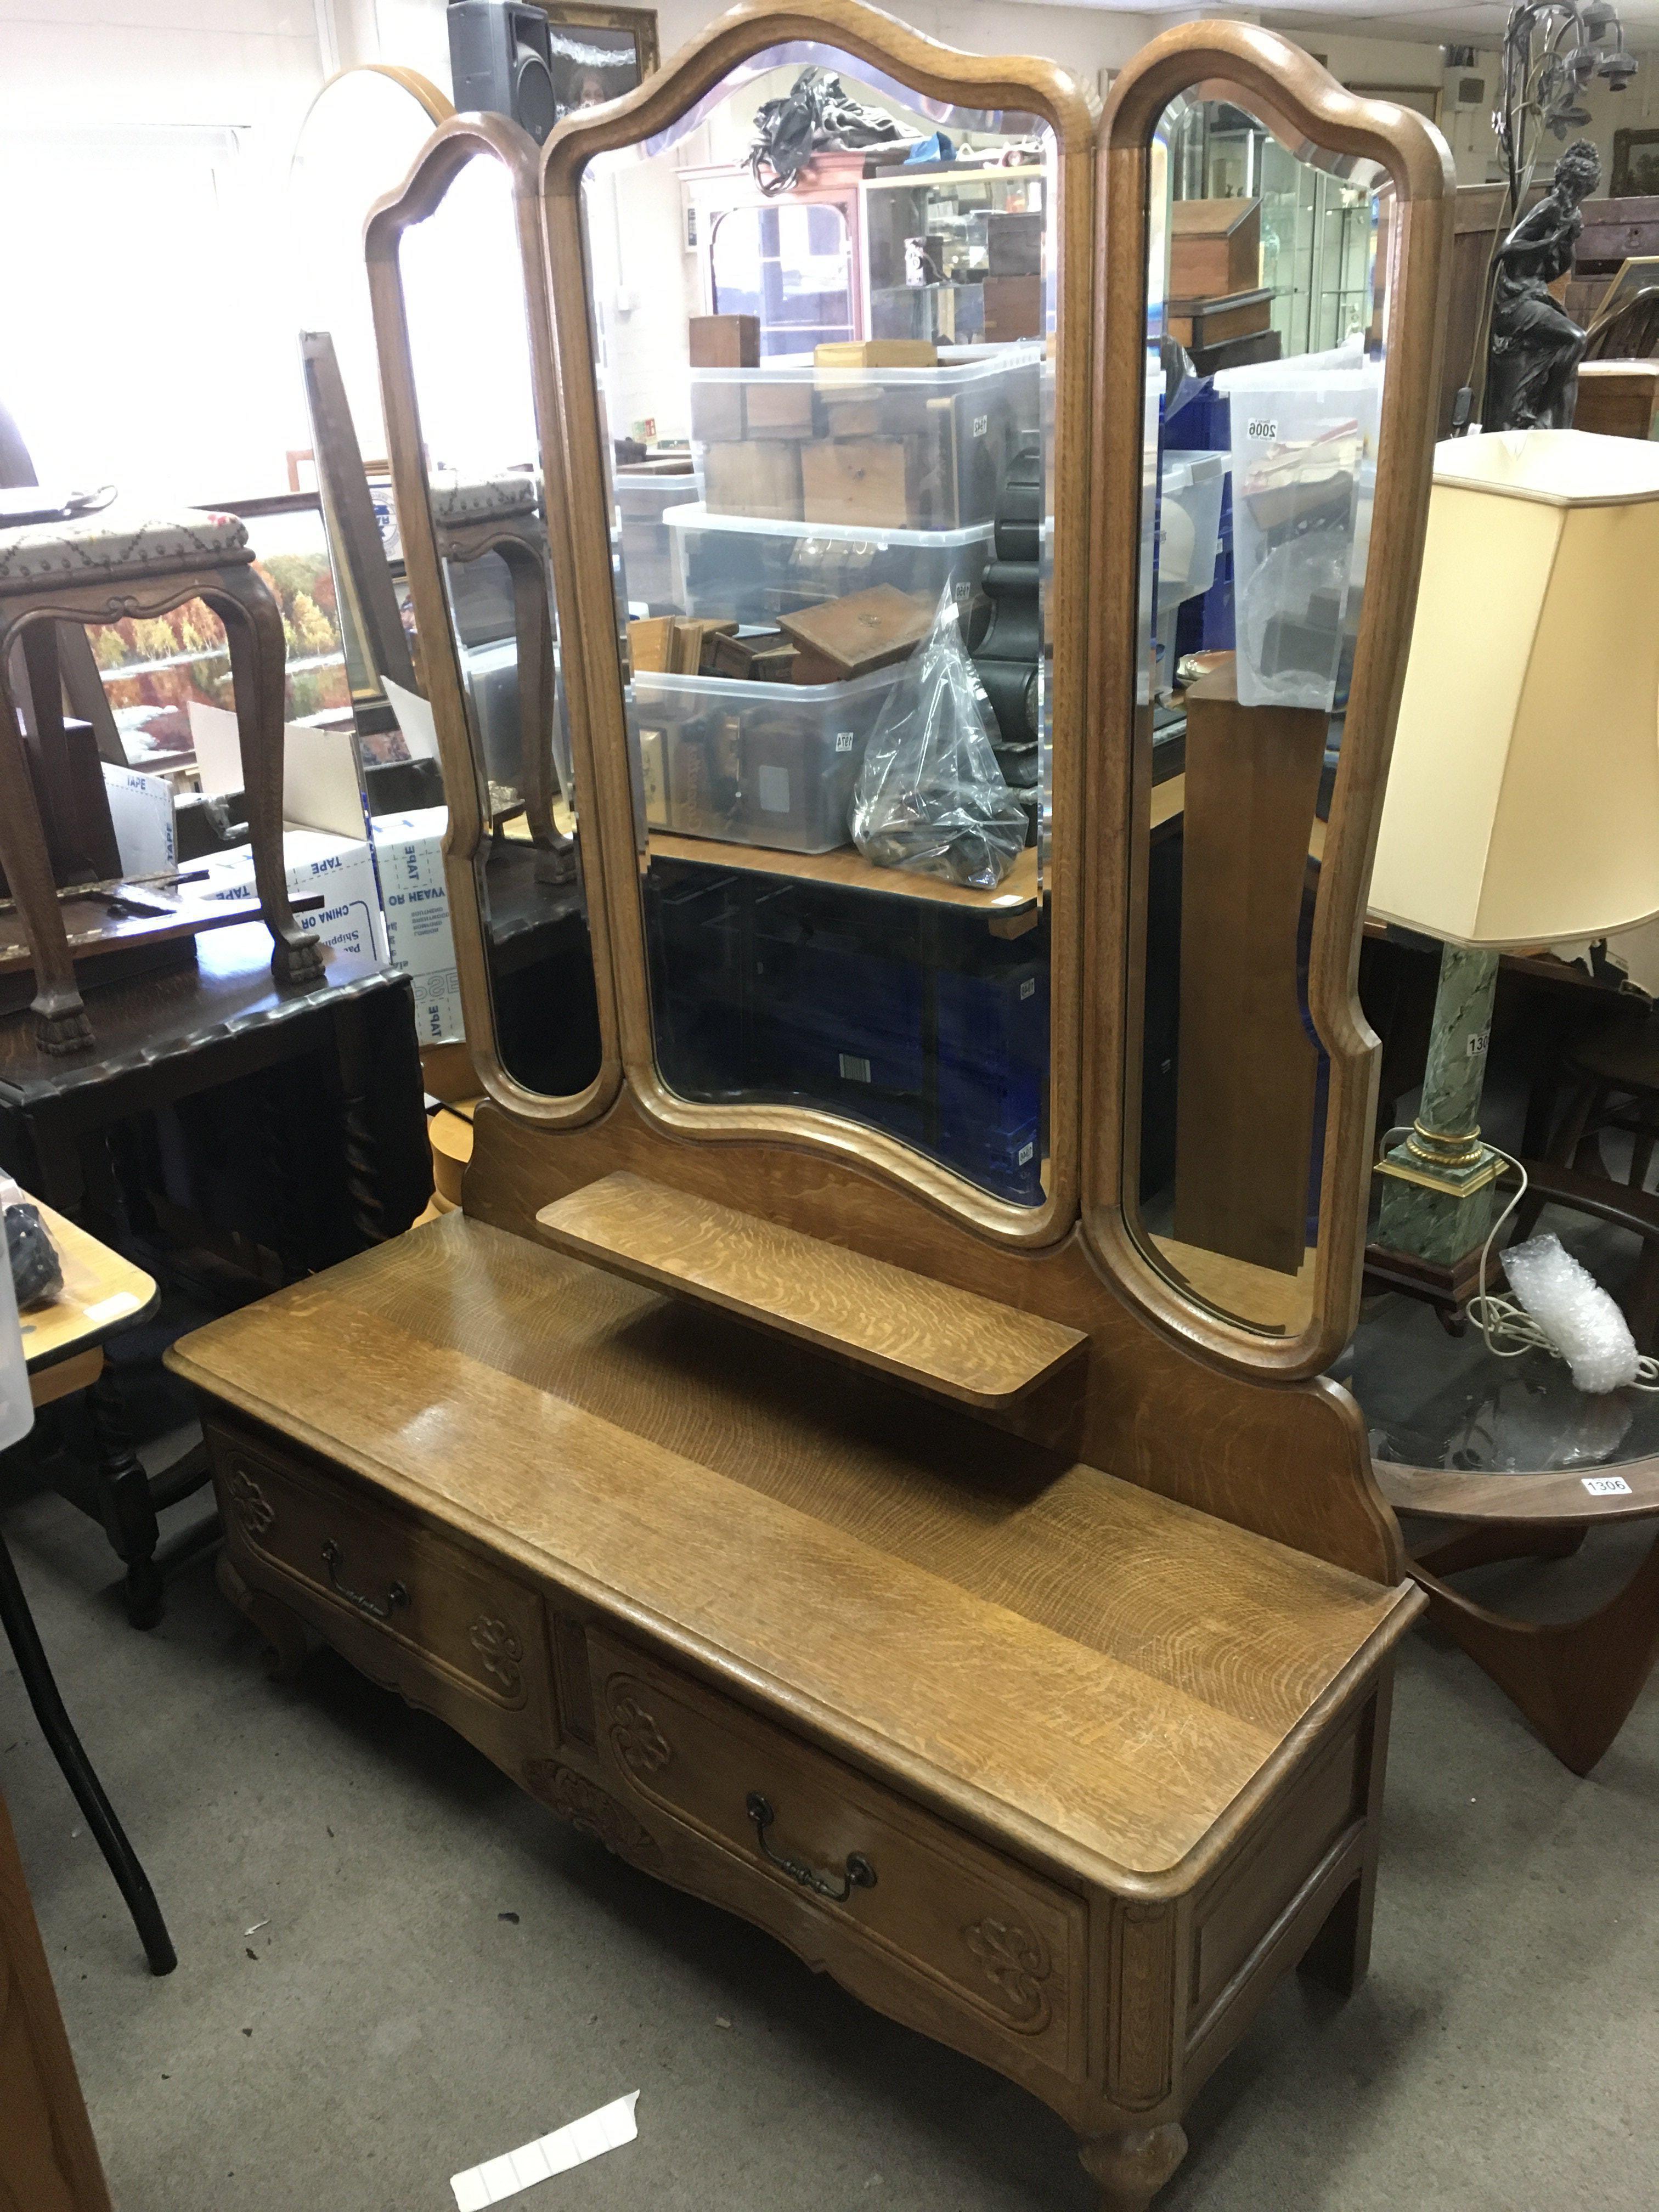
[(1509, 1329)]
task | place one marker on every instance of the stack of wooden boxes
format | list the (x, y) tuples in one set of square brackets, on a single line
[(1217, 306)]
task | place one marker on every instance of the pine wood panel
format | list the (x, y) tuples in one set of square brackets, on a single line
[(953, 1341), (1190, 1656)]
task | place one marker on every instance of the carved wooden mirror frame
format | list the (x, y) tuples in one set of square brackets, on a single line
[(587, 603), (461, 140), (1307, 110)]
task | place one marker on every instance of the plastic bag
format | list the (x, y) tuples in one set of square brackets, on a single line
[(930, 796), (37, 1273)]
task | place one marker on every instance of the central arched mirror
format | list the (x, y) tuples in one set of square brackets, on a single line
[(1273, 315), (819, 400)]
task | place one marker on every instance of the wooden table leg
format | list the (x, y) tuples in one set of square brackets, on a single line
[(1575, 1681), (125, 1502), (61, 1022), (253, 629)]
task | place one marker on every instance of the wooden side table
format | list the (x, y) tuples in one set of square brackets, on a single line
[(306, 1103)]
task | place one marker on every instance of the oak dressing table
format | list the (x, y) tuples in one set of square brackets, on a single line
[(935, 1581)]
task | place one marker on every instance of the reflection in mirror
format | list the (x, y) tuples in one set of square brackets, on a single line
[(826, 404), (357, 141), (462, 290), (1264, 378)]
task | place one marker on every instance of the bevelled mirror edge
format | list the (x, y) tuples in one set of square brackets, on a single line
[(1302, 106), (1018, 85), (454, 145)]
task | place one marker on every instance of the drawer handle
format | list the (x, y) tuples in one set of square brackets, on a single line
[(396, 1596), (859, 1875)]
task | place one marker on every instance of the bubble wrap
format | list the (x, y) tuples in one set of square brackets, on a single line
[(1581, 1320)]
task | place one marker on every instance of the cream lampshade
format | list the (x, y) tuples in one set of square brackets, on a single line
[(1522, 804)]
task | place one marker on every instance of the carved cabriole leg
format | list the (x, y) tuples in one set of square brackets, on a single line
[(253, 626), (1131, 2167), (286, 1643), (60, 1023)]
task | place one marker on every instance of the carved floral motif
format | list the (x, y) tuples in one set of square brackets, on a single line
[(253, 1509), (638, 1742), (1016, 1964), (500, 1650), (575, 1799)]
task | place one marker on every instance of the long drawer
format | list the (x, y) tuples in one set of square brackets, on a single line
[(373, 1566), (982, 1930)]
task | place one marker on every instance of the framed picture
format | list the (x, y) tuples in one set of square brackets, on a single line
[(1635, 165), (598, 54)]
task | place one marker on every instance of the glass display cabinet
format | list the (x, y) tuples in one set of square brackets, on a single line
[(1318, 232)]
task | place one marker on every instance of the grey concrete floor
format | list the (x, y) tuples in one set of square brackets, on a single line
[(385, 2023)]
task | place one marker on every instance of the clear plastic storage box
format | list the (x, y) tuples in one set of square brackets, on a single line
[(643, 503), (1303, 452), (753, 571), (865, 448), (769, 764)]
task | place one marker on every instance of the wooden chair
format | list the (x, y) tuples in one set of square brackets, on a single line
[(103, 568)]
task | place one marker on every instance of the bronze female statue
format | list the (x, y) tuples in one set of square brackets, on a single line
[(1532, 367)]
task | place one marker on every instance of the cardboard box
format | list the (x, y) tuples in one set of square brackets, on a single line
[(762, 477), (338, 870), (725, 340), (420, 941), (141, 810)]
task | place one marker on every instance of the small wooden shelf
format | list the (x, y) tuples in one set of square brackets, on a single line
[(954, 1342), (1015, 896)]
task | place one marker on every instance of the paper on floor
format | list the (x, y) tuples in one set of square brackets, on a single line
[(607, 2128)]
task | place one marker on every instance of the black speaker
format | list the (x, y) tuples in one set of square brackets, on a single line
[(501, 57)]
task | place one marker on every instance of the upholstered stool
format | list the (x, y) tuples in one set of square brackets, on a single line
[(102, 569)]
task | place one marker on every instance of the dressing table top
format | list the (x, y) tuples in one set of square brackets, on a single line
[(898, 1575)]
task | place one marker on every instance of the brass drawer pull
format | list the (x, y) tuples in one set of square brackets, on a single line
[(859, 1875), (395, 1597)]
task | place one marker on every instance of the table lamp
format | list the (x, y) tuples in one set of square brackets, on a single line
[(1523, 803)]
